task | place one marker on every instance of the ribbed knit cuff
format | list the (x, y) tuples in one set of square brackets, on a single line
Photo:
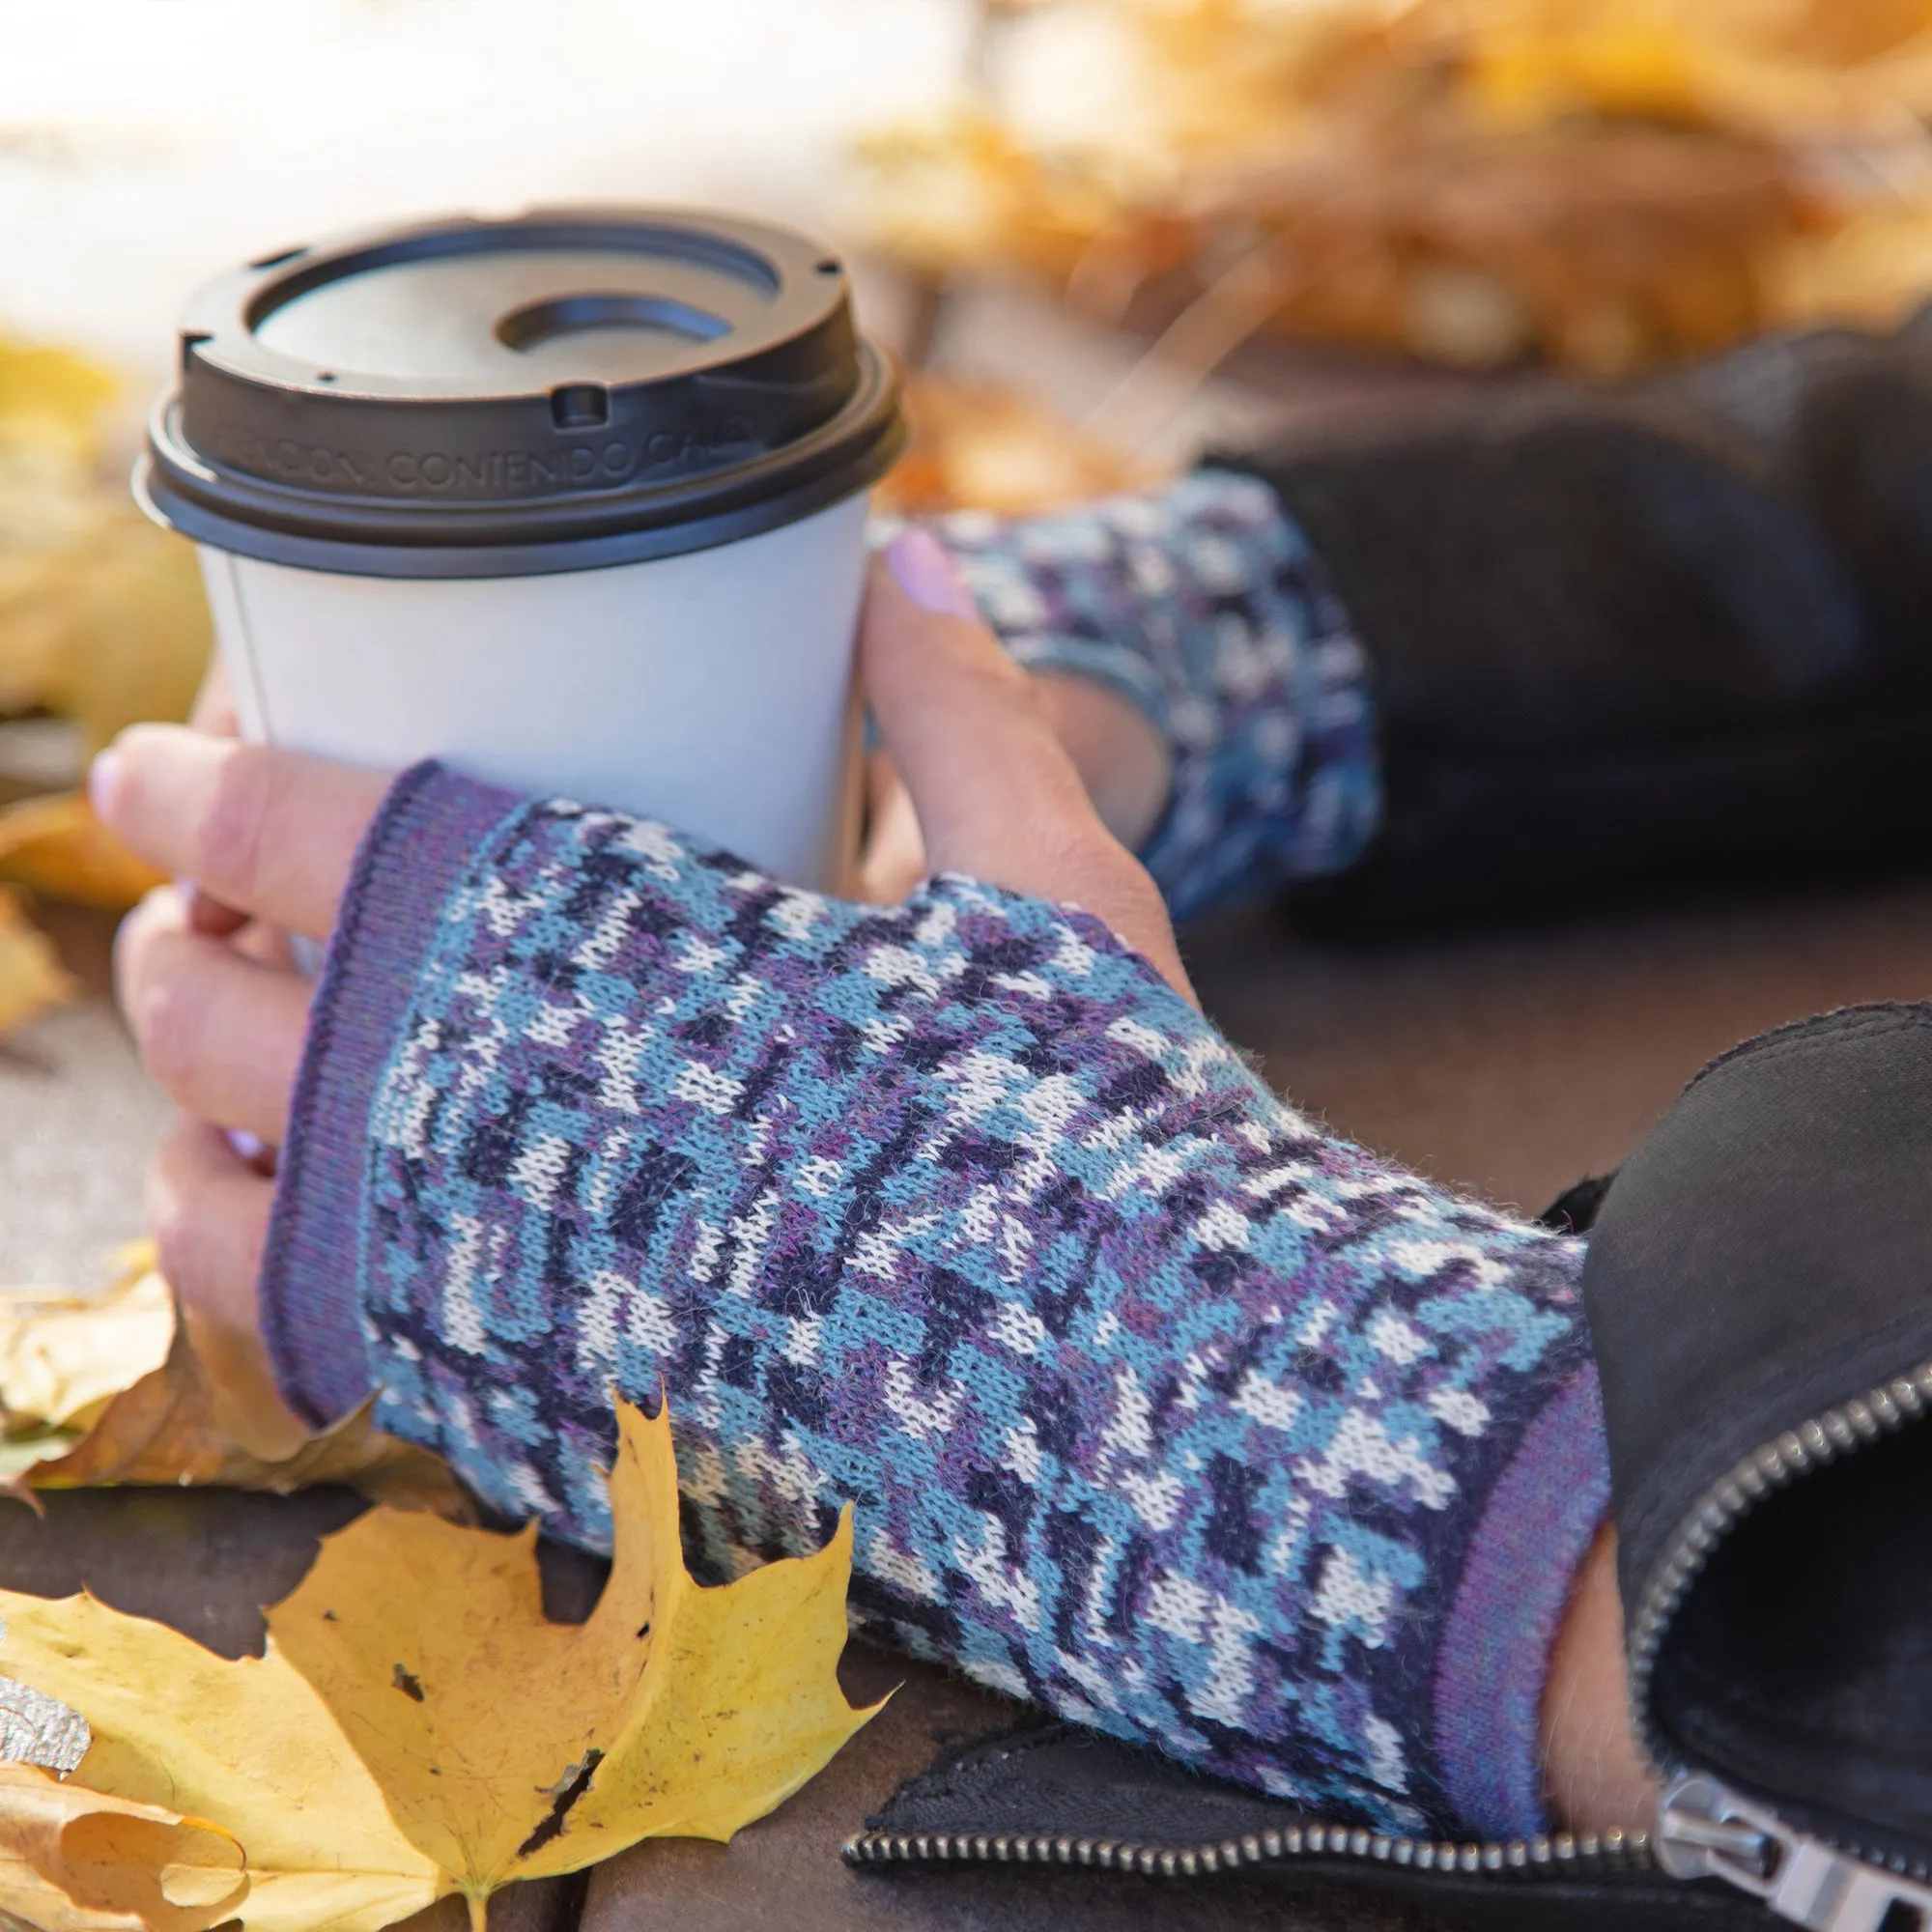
[(417, 850), (1516, 1581)]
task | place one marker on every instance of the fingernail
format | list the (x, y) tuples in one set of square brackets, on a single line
[(253, 1149), (103, 779), (929, 576)]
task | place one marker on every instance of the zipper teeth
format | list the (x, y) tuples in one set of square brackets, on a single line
[(1553, 1852), (1765, 1470), (1762, 1472)]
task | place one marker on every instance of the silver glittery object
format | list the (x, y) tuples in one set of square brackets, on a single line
[(37, 1729)]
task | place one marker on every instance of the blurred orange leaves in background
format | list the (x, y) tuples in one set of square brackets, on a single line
[(1602, 185)]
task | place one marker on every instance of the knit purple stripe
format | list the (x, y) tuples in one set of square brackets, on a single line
[(1516, 1579), (418, 845)]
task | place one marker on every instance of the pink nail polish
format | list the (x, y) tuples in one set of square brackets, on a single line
[(253, 1149), (929, 576), (103, 777)]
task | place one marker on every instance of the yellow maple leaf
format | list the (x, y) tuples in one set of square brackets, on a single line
[(510, 1747), (417, 1728), (55, 846), (78, 1860), (31, 976), (244, 1740)]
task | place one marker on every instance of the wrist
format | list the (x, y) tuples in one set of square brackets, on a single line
[(1596, 1777)]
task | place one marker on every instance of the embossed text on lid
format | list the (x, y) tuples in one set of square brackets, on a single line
[(559, 390)]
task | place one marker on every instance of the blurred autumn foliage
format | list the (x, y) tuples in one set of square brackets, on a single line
[(101, 617), (1601, 184), (989, 447), (101, 623)]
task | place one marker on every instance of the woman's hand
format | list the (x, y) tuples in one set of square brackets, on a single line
[(989, 786), (989, 789), (269, 837), (1120, 756), (221, 1021)]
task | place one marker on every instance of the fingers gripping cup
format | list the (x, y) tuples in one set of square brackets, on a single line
[(573, 501)]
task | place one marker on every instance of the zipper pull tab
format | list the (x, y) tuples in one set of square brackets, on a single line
[(1704, 1830)]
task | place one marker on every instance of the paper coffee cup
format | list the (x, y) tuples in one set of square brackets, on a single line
[(575, 501)]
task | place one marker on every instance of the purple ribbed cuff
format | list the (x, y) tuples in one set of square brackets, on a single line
[(417, 848), (1516, 1579)]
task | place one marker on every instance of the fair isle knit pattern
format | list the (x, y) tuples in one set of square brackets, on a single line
[(1160, 1406), (1205, 606)]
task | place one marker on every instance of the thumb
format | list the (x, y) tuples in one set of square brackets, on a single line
[(995, 793)]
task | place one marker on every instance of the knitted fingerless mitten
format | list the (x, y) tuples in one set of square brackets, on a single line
[(1204, 605), (1160, 1406)]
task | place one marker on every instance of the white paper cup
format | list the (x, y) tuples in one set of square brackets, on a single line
[(574, 502), (712, 691)]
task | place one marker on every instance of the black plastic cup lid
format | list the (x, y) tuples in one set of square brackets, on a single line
[(561, 391)]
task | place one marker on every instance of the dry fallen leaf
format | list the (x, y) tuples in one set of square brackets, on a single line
[(56, 847), (31, 976), (510, 1747), (171, 1428), (101, 614), (413, 1665), (78, 1860), (99, 1390), (102, 618), (62, 1357), (245, 1742), (139, 630), (103, 622)]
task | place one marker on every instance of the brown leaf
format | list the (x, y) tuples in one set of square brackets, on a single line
[(78, 1861), (986, 447), (1605, 183), (166, 1429), (416, 1725), (63, 1357)]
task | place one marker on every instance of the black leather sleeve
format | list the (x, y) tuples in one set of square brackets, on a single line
[(1610, 645), (1759, 1293)]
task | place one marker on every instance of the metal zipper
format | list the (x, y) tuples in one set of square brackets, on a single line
[(1550, 1855), (1704, 1829)]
